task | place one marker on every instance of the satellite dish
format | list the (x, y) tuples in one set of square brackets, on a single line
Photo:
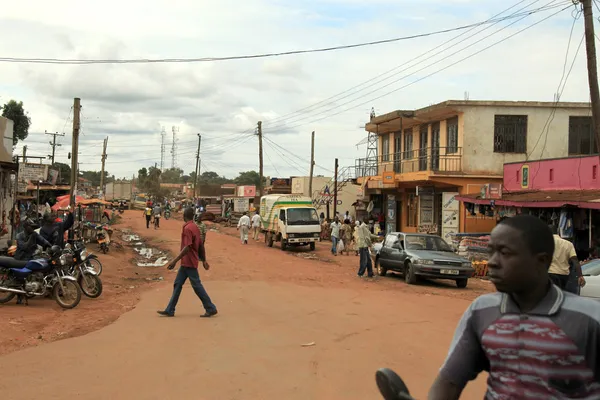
[(370, 207)]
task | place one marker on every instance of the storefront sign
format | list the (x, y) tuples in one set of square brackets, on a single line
[(388, 177), (390, 220), (450, 214), (491, 191), (31, 173), (428, 228), (241, 204)]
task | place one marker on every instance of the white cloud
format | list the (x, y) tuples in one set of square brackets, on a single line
[(223, 101)]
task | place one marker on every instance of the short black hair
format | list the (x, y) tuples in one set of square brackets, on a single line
[(535, 232), (188, 214)]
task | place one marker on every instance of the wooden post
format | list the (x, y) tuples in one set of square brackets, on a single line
[(590, 46), (335, 188), (197, 165), (75, 150), (102, 173), (312, 164), (260, 158)]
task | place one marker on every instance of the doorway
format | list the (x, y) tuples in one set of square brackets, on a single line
[(435, 146)]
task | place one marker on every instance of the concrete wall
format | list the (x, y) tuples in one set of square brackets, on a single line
[(577, 173), (6, 129), (346, 196), (478, 146)]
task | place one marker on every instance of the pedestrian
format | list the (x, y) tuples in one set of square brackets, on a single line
[(244, 226), (355, 237), (564, 254), (335, 235), (191, 244), (346, 236), (256, 220), (157, 211), (365, 240), (533, 339), (148, 215)]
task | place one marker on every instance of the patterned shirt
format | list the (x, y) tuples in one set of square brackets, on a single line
[(202, 228), (548, 353)]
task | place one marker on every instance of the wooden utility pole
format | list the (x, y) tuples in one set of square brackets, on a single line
[(335, 188), (102, 173), (54, 144), (24, 155), (197, 166), (590, 46), (75, 150), (312, 163), (260, 158)]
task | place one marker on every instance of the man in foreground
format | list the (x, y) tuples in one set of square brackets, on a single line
[(191, 244), (535, 340)]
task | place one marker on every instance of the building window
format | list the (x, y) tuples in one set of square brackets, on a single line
[(551, 175), (412, 210), (385, 148), (581, 136), (518, 176), (452, 135), (510, 134), (594, 172), (408, 144)]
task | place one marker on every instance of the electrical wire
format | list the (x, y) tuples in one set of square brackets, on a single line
[(285, 159), (432, 73), (272, 163), (492, 20), (227, 58)]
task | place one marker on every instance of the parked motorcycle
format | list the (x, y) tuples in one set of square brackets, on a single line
[(391, 386), (103, 238), (39, 278), (77, 267), (80, 255)]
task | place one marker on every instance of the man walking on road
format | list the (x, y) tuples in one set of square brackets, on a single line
[(148, 215), (191, 244), (244, 226), (533, 339), (335, 234), (256, 226), (564, 255), (365, 241), (157, 211)]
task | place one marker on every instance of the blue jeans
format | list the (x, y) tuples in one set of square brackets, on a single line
[(365, 262), (334, 243), (182, 275)]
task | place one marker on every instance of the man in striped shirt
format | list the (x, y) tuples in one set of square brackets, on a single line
[(534, 340)]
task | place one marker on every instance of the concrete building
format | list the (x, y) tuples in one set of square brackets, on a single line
[(348, 193), (8, 182), (428, 156)]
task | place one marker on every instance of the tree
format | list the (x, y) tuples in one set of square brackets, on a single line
[(172, 175), (14, 111), (94, 176), (142, 176), (248, 178), (64, 172), (210, 178)]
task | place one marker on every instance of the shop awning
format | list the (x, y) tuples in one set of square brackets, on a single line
[(589, 199)]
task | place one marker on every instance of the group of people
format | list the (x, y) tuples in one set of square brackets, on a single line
[(52, 232), (245, 224)]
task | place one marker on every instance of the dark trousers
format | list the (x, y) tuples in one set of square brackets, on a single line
[(148, 217), (365, 262), (559, 280), (182, 275)]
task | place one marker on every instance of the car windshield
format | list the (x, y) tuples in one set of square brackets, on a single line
[(426, 242), (592, 268), (302, 216)]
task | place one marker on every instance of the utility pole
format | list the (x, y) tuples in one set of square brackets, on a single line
[(54, 144), (197, 165), (590, 46), (335, 188), (312, 163), (102, 173), (24, 155), (260, 158), (75, 150)]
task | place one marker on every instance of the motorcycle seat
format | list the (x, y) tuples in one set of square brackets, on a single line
[(9, 262)]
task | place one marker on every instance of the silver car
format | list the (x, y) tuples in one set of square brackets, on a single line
[(421, 255)]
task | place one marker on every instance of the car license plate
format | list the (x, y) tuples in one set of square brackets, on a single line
[(449, 271)]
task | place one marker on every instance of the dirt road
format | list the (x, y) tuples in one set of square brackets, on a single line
[(270, 304)]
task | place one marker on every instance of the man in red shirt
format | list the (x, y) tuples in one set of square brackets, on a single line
[(191, 240)]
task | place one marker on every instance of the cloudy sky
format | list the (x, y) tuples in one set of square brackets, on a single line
[(331, 92)]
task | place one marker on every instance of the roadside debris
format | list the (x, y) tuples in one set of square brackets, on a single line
[(146, 256)]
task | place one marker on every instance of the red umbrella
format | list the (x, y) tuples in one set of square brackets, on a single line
[(64, 201)]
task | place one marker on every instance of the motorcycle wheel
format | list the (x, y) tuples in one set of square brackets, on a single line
[(73, 289), (5, 297), (90, 285), (95, 265)]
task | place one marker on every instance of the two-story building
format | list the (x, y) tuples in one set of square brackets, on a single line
[(427, 157), (8, 182)]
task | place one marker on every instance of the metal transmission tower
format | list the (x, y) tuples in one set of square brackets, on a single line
[(175, 130), (163, 138), (370, 167)]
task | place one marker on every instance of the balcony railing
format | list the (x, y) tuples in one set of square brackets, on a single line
[(435, 159)]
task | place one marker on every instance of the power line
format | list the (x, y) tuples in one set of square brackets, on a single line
[(430, 74), (492, 20), (228, 58)]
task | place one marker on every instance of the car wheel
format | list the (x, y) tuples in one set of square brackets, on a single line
[(409, 274), (283, 244), (381, 271), (269, 236), (313, 246), (462, 283)]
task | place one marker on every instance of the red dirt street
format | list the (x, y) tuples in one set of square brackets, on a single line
[(270, 303)]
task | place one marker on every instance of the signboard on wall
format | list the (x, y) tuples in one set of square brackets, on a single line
[(241, 204), (31, 173), (388, 177), (246, 191), (450, 215), (491, 191), (390, 216), (52, 176)]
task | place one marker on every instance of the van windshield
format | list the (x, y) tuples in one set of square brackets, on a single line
[(302, 216)]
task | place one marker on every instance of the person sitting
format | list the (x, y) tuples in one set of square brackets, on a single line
[(28, 241), (54, 231)]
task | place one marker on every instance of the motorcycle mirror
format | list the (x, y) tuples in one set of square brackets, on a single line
[(391, 386)]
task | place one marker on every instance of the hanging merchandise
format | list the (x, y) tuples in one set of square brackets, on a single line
[(481, 209), (554, 216), (565, 225)]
